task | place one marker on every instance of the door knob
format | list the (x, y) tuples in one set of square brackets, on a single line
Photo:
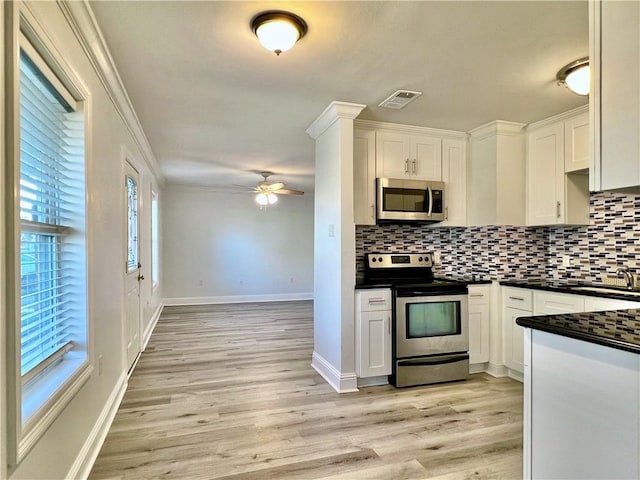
[(140, 277)]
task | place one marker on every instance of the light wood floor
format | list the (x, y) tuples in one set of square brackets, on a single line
[(226, 392)]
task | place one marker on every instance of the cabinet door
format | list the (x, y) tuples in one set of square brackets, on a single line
[(600, 304), (545, 175), (364, 176), (479, 328), (392, 155), (375, 344), (576, 143), (619, 95), (426, 157), (454, 175), (514, 339)]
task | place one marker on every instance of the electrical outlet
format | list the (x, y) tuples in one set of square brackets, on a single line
[(200, 283), (436, 257), (566, 261)]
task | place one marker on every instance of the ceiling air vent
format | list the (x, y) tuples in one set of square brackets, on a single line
[(399, 99)]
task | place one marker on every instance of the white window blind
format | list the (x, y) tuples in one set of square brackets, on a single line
[(51, 154)]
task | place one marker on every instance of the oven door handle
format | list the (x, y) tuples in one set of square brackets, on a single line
[(436, 361)]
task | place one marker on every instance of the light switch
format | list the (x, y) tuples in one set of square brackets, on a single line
[(332, 230)]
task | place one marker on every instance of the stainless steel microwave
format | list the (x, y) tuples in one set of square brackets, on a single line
[(400, 200)]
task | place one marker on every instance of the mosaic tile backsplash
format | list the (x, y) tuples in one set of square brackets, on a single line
[(519, 253)]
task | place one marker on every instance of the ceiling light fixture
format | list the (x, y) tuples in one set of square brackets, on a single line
[(575, 76), (278, 30), (264, 199)]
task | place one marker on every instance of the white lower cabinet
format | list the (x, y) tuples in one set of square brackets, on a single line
[(373, 333), (479, 325), (551, 303), (516, 302)]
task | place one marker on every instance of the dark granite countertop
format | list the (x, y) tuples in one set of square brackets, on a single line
[(566, 287), (618, 329)]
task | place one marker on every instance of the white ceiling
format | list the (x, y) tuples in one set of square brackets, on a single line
[(216, 107)]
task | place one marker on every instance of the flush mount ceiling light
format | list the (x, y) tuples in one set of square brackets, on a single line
[(575, 76), (278, 30)]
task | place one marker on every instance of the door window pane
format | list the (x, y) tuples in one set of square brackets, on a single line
[(132, 224)]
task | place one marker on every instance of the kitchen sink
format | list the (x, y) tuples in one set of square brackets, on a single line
[(617, 291)]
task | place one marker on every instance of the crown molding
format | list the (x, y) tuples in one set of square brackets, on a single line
[(497, 127), (86, 29), (331, 114), (411, 129), (558, 118)]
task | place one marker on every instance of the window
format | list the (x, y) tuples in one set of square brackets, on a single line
[(53, 313), (154, 240), (132, 225)]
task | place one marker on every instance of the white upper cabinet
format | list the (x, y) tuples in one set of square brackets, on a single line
[(496, 174), (615, 94), (404, 155), (555, 195), (364, 176), (454, 176), (576, 143)]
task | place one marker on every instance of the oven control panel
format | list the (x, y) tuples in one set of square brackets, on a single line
[(398, 260)]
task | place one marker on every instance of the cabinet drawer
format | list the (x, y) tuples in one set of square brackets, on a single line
[(479, 295), (376, 299), (519, 298)]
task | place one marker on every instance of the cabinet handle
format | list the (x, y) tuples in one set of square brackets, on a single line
[(376, 300), (389, 325), (477, 295), (373, 213), (406, 166), (517, 298), (414, 166), (446, 213), (558, 209)]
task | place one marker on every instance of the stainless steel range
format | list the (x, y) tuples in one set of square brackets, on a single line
[(430, 319)]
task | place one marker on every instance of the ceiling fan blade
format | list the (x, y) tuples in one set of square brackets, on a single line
[(276, 186), (253, 189), (287, 191)]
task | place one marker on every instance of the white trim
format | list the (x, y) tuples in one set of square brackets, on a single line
[(515, 375), (276, 297), (3, 276), (331, 114), (558, 118), (341, 382), (373, 381), (151, 327), (85, 27), (397, 127), (478, 367), (51, 412), (497, 370), (83, 463), (496, 127)]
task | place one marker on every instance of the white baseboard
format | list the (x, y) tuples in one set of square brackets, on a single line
[(152, 325), (478, 367), (516, 375), (341, 382), (373, 381), (496, 370), (83, 464), (277, 297)]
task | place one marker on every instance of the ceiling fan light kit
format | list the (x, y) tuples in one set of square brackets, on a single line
[(278, 30), (575, 76)]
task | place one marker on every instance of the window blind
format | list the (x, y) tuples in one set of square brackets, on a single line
[(50, 138)]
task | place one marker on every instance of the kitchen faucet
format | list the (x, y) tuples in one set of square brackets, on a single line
[(628, 276)]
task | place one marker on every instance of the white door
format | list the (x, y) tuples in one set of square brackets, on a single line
[(132, 266)]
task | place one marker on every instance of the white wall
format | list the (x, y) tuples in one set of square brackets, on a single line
[(334, 252), (83, 419), (221, 247)]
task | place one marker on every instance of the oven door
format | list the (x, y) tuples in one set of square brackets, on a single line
[(431, 325)]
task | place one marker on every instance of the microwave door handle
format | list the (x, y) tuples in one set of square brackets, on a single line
[(430, 201)]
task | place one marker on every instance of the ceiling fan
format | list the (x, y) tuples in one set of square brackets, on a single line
[(266, 192)]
